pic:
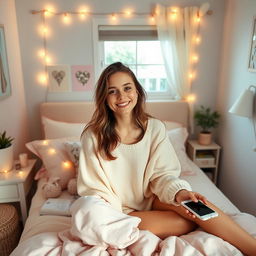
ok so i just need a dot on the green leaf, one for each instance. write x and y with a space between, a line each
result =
206 119
5 142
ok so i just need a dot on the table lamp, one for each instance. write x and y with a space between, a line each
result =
245 106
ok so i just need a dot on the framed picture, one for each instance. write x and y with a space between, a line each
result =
59 78
252 54
5 85
82 77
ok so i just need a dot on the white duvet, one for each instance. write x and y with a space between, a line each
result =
98 229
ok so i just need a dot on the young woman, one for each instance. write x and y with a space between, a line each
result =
130 163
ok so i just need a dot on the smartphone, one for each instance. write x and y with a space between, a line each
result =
199 209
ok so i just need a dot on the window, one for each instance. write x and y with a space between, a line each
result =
136 46
143 57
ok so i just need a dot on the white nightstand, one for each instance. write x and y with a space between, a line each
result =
206 157
15 185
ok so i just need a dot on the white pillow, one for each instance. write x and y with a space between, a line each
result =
56 129
178 138
169 125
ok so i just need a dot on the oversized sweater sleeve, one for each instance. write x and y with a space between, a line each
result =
92 179
164 169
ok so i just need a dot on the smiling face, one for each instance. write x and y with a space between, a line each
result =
122 94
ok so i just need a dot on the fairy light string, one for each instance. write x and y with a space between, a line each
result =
84 13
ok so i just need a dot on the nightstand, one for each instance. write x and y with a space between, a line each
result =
15 185
205 157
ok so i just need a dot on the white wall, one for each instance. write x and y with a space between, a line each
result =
73 45
13 113
238 162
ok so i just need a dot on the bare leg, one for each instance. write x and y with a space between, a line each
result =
164 223
221 226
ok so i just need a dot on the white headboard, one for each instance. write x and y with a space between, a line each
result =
78 112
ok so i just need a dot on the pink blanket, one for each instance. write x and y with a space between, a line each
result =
97 229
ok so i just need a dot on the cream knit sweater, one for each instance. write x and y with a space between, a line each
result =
141 171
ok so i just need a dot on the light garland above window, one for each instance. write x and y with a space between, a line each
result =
83 14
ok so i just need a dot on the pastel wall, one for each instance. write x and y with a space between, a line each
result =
73 45
238 162
13 112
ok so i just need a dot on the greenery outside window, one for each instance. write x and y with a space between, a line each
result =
136 46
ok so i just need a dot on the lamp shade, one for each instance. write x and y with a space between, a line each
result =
244 104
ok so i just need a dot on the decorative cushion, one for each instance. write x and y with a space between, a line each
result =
55 158
73 150
178 138
56 129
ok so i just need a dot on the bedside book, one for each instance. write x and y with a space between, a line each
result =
57 206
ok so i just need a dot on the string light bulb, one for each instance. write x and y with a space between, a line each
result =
197 19
46 13
66 164
128 13
195 58
51 151
45 142
66 18
152 18
174 14
197 39
83 12
113 17
191 75
191 98
42 78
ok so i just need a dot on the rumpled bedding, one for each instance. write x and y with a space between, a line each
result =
99 230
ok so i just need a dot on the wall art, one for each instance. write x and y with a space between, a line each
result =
5 85
82 77
59 78
252 54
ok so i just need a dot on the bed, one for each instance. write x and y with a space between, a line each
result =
48 235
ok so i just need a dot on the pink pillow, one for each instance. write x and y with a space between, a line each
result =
178 138
55 158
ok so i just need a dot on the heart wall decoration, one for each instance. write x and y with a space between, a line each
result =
59 78
82 77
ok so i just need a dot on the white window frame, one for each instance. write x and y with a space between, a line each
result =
98 50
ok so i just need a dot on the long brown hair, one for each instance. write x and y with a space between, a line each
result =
103 120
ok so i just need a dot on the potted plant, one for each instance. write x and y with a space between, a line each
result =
6 152
206 119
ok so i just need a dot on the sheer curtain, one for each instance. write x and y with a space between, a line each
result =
177 31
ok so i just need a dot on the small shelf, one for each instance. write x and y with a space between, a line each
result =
205 157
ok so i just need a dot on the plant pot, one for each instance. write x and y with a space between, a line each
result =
6 159
205 138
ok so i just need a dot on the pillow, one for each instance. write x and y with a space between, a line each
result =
169 125
178 138
55 158
73 150
56 129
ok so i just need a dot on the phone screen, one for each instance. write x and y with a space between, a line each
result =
199 208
